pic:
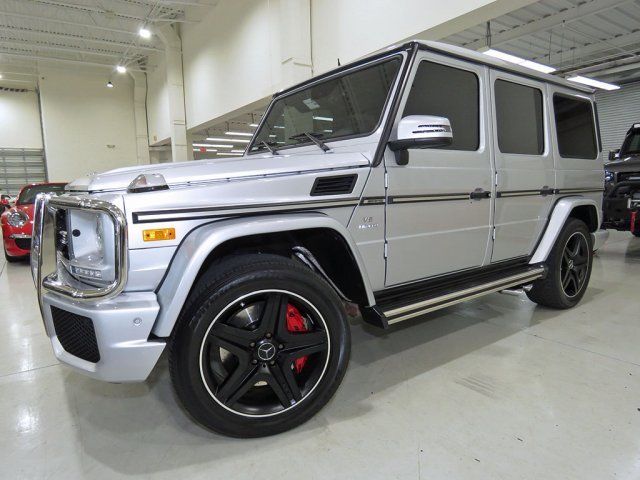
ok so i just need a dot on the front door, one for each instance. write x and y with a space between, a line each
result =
433 227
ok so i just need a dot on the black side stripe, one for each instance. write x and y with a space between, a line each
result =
200 213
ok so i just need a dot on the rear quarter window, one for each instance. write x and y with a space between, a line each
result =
575 127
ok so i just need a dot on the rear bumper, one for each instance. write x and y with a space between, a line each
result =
121 327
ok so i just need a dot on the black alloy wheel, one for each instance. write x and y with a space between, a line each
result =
264 353
575 264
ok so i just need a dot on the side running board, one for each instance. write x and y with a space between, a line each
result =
396 307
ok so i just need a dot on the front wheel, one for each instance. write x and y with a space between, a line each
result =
261 346
569 268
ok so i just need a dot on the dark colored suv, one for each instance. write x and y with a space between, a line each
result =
622 185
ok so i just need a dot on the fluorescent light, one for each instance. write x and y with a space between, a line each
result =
227 154
272 136
278 126
234 140
237 151
593 83
0 75
507 57
211 145
254 125
121 69
109 84
242 134
144 32
327 130
324 119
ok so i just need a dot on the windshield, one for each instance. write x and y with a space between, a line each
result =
28 194
339 107
631 145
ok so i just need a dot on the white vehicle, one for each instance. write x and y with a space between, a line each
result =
405 182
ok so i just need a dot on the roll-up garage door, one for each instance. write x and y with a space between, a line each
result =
617 111
20 166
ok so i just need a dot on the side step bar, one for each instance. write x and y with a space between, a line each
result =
383 315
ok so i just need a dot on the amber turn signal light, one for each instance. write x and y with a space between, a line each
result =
159 234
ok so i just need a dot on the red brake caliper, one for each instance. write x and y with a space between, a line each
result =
295 323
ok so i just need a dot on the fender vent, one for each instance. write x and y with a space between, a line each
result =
337 185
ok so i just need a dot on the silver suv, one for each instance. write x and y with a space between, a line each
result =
406 182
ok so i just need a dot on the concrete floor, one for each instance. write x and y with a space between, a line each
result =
492 389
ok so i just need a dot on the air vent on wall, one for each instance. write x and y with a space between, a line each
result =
336 185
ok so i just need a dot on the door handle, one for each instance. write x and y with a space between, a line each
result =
479 194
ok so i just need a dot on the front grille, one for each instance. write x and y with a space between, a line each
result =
23 243
76 334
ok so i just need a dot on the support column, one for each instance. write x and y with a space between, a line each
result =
175 87
140 116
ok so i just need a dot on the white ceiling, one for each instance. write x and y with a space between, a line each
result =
101 33
598 38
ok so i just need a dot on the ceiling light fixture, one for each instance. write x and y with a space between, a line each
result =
121 69
254 125
593 83
237 151
324 119
144 32
507 57
234 140
211 145
229 154
242 134
109 84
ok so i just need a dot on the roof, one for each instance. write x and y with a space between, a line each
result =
478 57
446 49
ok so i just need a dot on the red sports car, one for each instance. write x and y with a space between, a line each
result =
17 222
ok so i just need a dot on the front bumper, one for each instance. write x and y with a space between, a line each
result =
100 332
122 327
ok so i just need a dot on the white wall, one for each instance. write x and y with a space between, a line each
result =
347 30
617 111
242 51
158 101
230 58
87 126
20 120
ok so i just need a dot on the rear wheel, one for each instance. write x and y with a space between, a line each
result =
262 345
569 268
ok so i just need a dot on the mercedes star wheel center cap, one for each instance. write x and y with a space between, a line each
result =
266 351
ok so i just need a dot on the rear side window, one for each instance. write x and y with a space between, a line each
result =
575 127
448 92
519 118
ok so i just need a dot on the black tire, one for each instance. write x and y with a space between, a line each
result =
568 274
204 357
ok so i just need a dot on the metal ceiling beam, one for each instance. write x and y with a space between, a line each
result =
68 22
64 60
61 48
581 54
569 15
103 41
179 15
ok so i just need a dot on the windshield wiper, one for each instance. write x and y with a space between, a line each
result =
268 147
314 137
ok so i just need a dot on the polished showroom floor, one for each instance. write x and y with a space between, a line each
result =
492 389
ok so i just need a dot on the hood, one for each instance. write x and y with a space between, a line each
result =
219 169
630 163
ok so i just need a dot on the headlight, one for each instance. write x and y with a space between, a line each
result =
608 176
90 239
17 219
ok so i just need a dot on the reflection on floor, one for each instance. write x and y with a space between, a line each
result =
495 388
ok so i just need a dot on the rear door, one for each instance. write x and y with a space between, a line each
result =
525 177
432 225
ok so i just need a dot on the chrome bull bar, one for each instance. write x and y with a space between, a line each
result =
45 260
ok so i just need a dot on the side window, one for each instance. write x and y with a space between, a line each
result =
448 92
574 127
519 118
